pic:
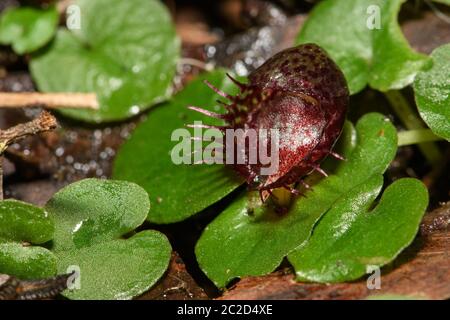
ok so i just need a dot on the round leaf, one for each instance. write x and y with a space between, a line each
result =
176 191
432 92
117 269
92 211
28 29
125 51
349 241
365 40
91 216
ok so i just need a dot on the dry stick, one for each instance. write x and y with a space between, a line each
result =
44 122
49 100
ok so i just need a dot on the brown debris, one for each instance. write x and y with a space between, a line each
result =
177 284
427 32
192 28
436 221
37 192
18 81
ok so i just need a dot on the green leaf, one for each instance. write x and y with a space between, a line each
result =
91 211
26 262
28 29
432 92
176 191
237 244
118 269
380 57
92 216
125 51
19 223
349 241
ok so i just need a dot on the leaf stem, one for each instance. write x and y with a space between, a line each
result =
416 136
410 120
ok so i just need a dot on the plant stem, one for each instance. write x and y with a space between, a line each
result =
409 119
48 100
44 122
416 136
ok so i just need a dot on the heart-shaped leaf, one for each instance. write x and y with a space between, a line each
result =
93 211
91 217
237 243
177 191
28 29
349 241
22 225
365 40
118 269
432 92
125 51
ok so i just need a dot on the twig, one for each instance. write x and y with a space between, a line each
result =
12 288
44 122
48 100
